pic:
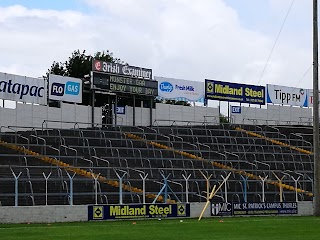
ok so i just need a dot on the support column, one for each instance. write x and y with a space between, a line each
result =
92 107
134 111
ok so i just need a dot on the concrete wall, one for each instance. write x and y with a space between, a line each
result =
49 214
28 115
43 214
272 115
166 114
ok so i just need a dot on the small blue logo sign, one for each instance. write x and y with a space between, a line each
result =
166 87
70 88
236 109
57 89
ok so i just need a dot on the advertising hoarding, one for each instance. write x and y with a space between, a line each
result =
122 84
120 69
253 208
65 88
283 95
181 90
134 211
23 89
234 92
310 97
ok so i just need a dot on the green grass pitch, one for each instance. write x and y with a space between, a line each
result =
239 228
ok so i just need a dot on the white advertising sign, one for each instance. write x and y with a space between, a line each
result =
310 97
287 95
65 88
23 89
181 90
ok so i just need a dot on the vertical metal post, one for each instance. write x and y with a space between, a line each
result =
245 180
134 111
263 180
120 184
71 187
95 177
296 186
280 186
151 105
143 186
115 110
186 178
46 180
225 189
16 188
316 197
208 183
92 107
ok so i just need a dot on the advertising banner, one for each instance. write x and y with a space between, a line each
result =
287 95
181 90
310 97
234 92
119 69
65 89
23 89
253 208
221 209
266 208
134 211
125 84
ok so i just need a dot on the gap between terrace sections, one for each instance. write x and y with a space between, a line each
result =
79 171
219 165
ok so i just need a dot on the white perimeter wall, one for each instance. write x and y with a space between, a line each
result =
272 115
28 115
166 114
49 214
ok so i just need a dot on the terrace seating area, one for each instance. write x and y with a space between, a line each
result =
61 166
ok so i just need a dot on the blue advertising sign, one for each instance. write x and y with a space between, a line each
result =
134 211
253 208
265 208
234 92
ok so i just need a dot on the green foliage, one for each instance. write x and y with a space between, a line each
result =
223 119
80 63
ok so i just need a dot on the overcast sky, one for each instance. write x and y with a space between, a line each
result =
228 40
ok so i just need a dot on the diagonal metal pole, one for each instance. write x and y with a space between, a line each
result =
164 188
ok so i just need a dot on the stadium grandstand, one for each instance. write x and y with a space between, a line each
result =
110 155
